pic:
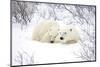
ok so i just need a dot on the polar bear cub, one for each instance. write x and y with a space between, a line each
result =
50 35
67 35
45 31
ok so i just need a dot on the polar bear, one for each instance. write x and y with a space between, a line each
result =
67 35
44 30
51 34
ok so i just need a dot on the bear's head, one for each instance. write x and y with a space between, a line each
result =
67 35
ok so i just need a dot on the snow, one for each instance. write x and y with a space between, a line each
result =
42 52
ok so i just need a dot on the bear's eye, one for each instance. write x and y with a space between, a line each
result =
70 29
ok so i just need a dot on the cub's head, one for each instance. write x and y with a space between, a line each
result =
53 32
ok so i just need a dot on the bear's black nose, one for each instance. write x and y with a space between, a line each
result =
51 41
61 38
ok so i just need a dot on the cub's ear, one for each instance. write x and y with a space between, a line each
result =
49 29
70 29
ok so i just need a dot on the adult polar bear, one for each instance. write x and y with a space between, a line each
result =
45 31
68 34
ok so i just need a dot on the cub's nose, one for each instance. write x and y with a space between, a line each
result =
51 41
61 38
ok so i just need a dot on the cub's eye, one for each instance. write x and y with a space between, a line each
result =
70 29
65 33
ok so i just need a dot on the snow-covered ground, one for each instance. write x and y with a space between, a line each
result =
30 50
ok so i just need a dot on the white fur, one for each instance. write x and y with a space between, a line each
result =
44 30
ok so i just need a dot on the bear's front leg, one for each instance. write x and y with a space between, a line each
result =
45 38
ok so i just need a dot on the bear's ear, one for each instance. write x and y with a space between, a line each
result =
70 29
